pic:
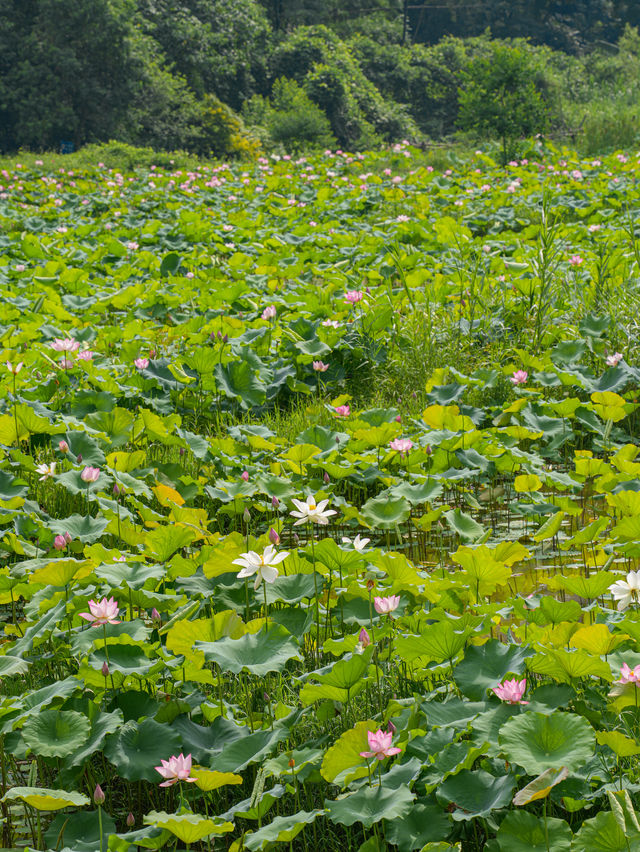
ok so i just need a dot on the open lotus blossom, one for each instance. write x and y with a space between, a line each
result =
310 512
177 768
269 312
614 360
14 369
320 366
512 691
342 410
46 470
66 344
519 377
626 591
575 260
141 363
90 474
401 445
102 612
380 745
85 355
628 675
358 543
262 566
385 606
354 296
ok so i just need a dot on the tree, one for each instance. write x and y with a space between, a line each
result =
499 97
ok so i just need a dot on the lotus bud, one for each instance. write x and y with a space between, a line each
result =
337 439
325 478
67 538
246 516
296 539
428 450
63 447
274 538
245 475
364 638
275 502
98 795
414 395
391 728
59 542
399 419
116 490
225 339
219 335
266 697
105 669
371 584
292 763
181 452
156 617
131 820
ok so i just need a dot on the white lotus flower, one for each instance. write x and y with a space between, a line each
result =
46 470
311 512
626 591
358 543
262 566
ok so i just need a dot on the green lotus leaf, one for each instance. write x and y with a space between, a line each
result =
425 823
436 643
56 733
164 541
521 831
464 525
190 828
369 805
44 799
282 829
476 793
83 826
541 786
486 666
137 747
269 650
538 741
238 380
385 512
603 833
81 527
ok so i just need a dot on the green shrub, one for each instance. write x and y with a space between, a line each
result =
499 98
294 121
222 132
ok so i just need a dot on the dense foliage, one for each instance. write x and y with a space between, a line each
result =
146 72
312 475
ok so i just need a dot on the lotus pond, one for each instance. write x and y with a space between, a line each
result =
320 505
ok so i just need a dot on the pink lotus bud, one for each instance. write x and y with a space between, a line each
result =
274 538
364 638
116 490
266 697
391 728
59 542
326 478
275 502
105 669
63 447
98 795
131 820
245 475
67 538
155 616
398 419
79 458
246 516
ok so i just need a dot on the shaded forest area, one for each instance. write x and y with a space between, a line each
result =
238 77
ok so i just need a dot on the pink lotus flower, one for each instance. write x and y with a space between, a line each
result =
85 355
61 541
244 476
102 612
385 606
614 360
512 691
342 410
90 474
629 675
320 367
66 344
63 446
175 769
575 260
269 312
354 296
141 363
519 377
380 745
401 445
132 246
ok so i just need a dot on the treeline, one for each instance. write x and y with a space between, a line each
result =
233 77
